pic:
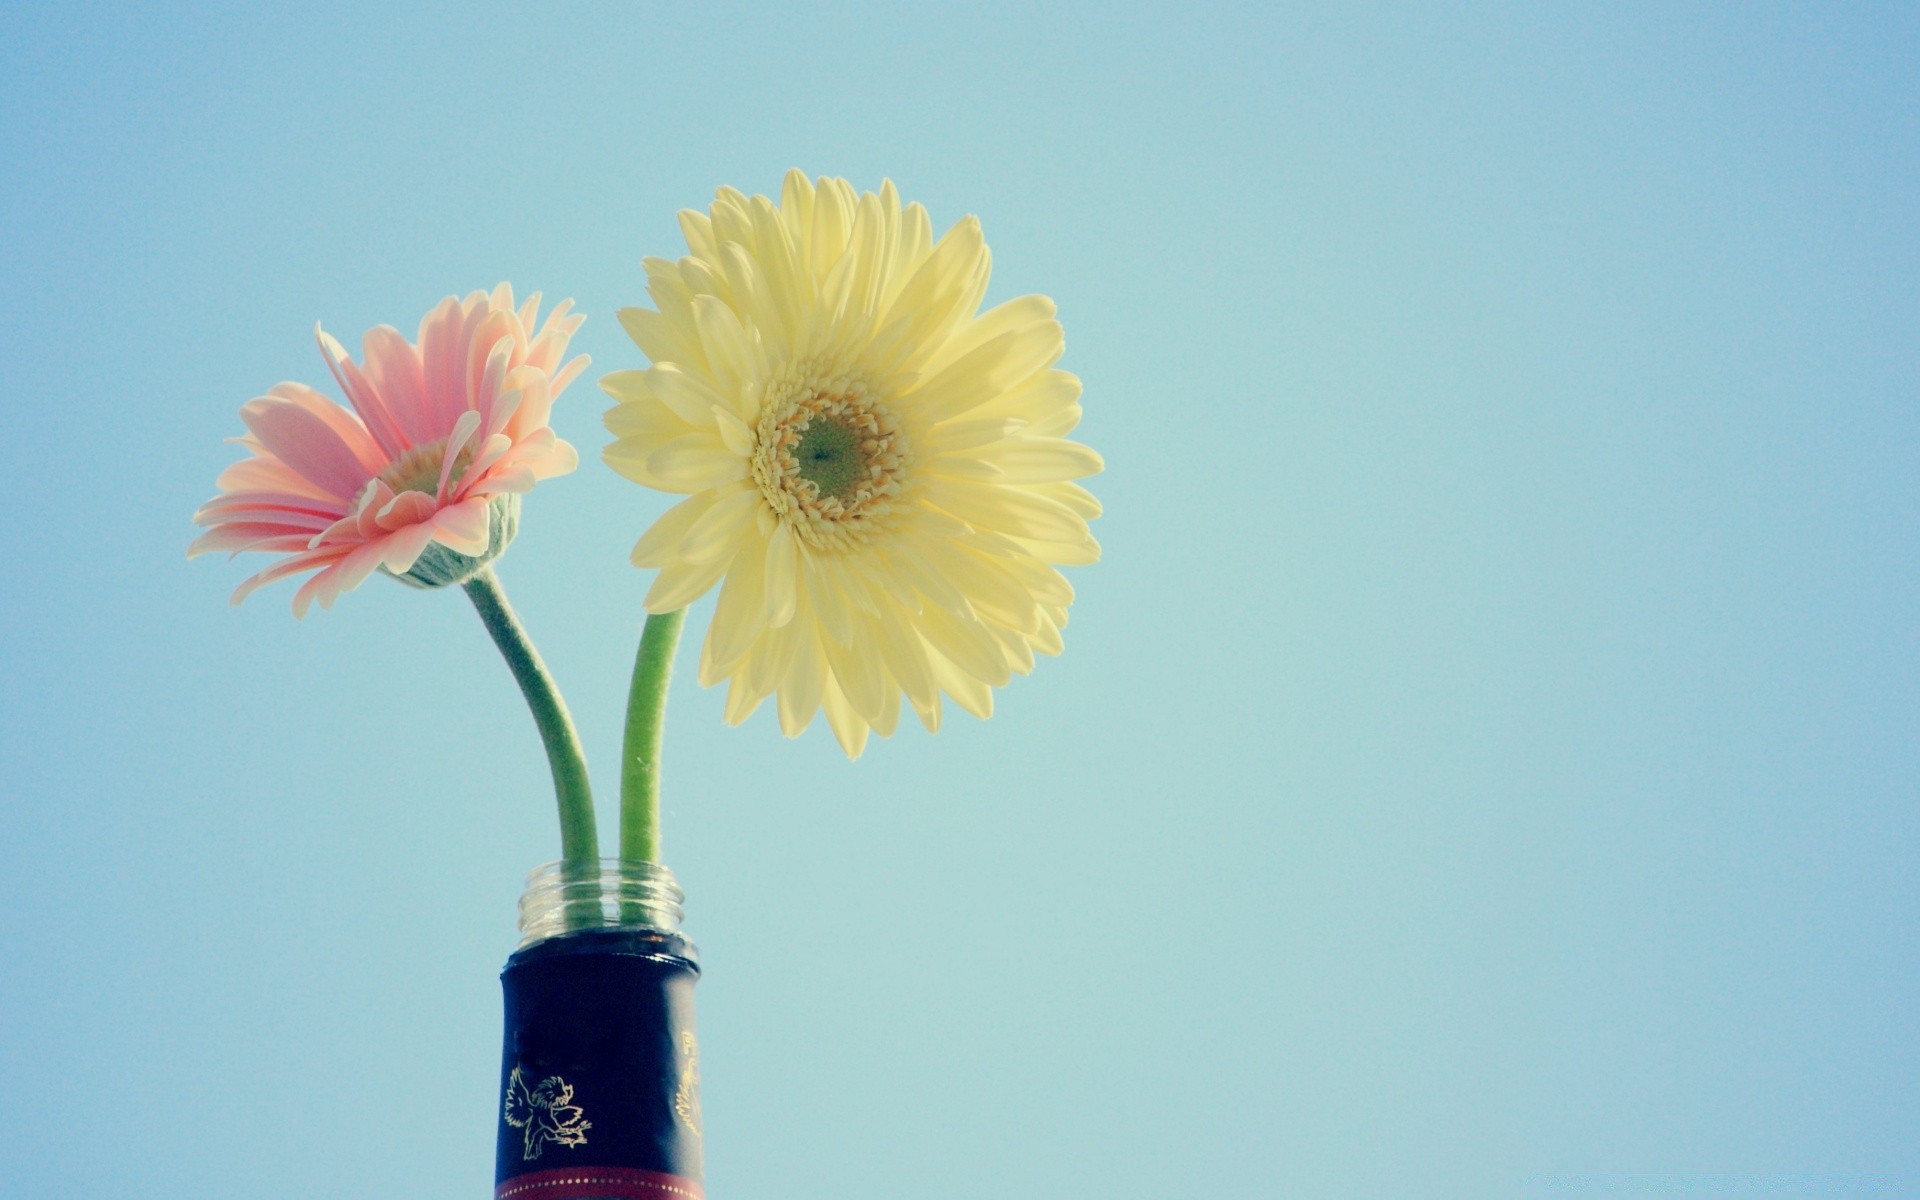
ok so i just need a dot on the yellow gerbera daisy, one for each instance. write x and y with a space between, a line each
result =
878 471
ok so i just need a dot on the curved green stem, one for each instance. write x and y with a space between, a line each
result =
579 841
646 722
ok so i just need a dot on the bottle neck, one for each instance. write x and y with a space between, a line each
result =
611 894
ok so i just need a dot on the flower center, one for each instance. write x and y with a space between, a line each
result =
418 470
828 457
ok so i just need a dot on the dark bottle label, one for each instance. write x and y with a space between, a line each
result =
600 1074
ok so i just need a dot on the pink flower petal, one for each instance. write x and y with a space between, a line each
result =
353 570
407 508
361 394
463 430
568 374
463 527
401 549
305 561
540 453
343 576
531 309
560 320
442 346
282 504
562 459
306 443
484 460
392 366
269 474
344 532
247 535
503 408
543 353
345 425
535 405
495 333
290 543
303 599
516 479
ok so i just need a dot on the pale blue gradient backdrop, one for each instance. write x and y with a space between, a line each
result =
1486 757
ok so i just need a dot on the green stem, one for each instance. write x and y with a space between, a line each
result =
579 841
646 721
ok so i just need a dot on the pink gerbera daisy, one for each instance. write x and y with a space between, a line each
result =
423 477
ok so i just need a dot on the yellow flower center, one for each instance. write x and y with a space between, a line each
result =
828 457
418 470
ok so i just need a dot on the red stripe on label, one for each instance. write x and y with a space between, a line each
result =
598 1183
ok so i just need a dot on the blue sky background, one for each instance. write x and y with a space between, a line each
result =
1484 764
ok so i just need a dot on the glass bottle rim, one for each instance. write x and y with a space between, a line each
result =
608 894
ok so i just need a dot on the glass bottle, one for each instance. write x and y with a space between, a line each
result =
600 1070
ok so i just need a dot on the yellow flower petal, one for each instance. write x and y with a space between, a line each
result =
655 545
847 726
721 529
1015 511
1043 460
969 693
966 643
680 583
740 617
803 684
693 462
782 576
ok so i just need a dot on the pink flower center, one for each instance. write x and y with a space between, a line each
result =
418 470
